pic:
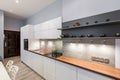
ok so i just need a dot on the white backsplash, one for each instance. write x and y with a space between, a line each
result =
33 44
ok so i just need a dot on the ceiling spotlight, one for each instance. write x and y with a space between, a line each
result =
17 1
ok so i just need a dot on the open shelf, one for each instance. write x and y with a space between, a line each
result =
96 24
93 38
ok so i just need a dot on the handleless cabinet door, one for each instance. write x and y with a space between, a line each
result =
65 71
49 69
88 75
38 30
37 63
27 31
48 29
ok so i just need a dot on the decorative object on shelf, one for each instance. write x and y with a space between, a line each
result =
64 36
89 35
96 22
87 23
107 20
82 36
73 36
102 35
76 24
117 34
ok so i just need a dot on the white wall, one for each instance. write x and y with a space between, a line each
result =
54 10
13 24
1 33
75 9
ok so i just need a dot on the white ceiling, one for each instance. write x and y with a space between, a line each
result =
23 9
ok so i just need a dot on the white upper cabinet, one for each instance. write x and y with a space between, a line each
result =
27 32
49 29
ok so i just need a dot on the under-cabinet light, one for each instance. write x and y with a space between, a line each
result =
17 1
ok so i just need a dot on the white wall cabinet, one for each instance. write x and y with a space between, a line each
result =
49 29
65 71
49 69
88 75
27 31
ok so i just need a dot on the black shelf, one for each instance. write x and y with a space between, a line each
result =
96 24
93 38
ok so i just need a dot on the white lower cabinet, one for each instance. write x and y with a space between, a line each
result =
55 70
49 69
37 63
65 71
34 61
88 75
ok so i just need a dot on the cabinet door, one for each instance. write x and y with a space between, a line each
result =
36 63
49 69
27 31
87 75
37 29
48 29
24 32
24 56
65 71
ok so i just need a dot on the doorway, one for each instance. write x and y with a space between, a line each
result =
11 43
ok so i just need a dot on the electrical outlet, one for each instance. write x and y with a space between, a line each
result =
102 60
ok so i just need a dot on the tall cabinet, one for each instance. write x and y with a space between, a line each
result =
27 32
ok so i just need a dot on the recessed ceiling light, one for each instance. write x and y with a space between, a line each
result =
17 1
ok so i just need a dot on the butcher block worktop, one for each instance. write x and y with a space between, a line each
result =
98 68
105 70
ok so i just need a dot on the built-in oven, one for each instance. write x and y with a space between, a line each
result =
25 44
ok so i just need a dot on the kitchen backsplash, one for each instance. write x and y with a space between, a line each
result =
95 50
53 45
33 44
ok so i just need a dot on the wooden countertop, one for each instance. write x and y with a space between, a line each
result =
98 68
101 69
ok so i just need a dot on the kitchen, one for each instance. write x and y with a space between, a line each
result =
83 45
